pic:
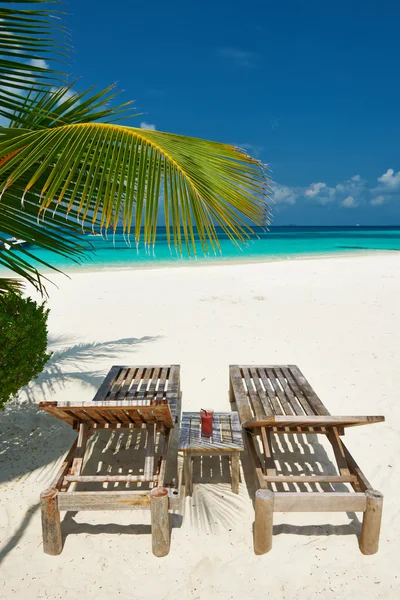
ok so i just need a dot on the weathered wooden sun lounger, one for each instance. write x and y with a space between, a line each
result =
279 400
141 398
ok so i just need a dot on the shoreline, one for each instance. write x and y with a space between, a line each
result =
212 262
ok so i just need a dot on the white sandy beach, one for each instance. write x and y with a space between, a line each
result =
337 319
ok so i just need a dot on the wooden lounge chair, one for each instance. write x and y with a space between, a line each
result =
279 400
135 398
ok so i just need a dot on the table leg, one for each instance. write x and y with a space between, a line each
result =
187 474
235 466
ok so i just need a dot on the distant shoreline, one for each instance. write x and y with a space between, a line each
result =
279 244
212 262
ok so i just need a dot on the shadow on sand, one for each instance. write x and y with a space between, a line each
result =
29 437
213 505
297 454
122 453
31 441
71 363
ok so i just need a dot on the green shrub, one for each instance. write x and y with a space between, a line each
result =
23 342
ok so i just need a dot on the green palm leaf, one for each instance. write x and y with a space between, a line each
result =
114 174
26 39
19 223
48 109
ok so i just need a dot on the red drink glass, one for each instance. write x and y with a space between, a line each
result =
206 422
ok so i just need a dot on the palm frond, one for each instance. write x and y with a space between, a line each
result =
113 174
27 38
45 109
52 234
61 106
9 285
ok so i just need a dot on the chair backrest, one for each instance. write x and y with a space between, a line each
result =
129 395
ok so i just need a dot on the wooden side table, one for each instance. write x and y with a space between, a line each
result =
226 439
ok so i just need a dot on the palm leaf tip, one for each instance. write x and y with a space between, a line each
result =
9 284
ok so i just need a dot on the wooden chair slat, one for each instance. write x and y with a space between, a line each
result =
121 415
294 392
108 478
142 391
106 415
104 389
276 407
162 383
136 382
239 394
149 460
153 382
255 403
81 415
128 380
317 405
117 384
56 412
173 389
305 421
262 394
295 397
288 409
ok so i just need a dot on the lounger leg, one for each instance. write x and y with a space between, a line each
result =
371 524
263 522
235 466
231 394
51 527
187 474
159 521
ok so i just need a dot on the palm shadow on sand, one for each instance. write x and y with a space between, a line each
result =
72 363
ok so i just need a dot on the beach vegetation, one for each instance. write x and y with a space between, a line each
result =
23 342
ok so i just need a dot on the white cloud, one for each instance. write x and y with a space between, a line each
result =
349 202
149 126
377 201
68 93
285 195
390 179
39 62
351 193
314 189
354 188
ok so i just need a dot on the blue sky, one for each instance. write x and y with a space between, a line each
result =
310 87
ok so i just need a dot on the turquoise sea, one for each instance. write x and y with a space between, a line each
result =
277 243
